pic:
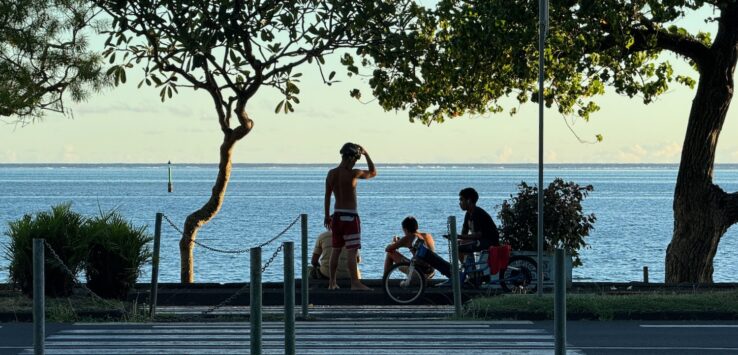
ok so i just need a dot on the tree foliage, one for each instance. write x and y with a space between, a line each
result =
45 55
565 224
232 48
480 56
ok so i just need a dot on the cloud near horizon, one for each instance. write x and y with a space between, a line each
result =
658 153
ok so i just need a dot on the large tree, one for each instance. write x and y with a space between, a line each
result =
230 49
44 56
476 56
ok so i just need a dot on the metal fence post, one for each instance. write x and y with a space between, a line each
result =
39 318
289 298
304 283
155 266
455 282
560 303
255 301
645 274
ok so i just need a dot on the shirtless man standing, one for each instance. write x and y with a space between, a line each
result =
344 223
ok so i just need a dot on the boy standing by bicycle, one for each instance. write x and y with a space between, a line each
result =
479 231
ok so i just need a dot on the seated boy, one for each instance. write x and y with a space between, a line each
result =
411 235
322 256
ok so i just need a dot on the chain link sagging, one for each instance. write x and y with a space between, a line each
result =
234 251
237 251
81 285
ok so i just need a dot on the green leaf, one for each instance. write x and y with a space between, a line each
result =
279 107
156 80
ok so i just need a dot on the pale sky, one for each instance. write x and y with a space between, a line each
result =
129 125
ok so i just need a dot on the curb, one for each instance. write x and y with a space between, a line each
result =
645 316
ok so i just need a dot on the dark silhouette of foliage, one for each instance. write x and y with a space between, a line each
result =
60 227
45 55
565 224
117 250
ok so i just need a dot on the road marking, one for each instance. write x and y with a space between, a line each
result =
676 348
301 351
354 337
367 337
207 331
689 325
245 323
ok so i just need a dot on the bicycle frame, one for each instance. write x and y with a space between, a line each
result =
410 270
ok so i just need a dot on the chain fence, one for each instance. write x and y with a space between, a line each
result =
235 251
118 306
246 287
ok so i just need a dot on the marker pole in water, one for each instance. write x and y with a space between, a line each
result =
169 186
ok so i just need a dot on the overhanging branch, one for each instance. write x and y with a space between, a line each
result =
682 45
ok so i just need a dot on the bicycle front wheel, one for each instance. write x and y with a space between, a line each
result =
402 287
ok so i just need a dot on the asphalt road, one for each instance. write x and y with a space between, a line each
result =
380 337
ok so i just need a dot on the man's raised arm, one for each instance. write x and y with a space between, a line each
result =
367 174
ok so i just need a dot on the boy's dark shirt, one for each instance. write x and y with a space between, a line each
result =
483 223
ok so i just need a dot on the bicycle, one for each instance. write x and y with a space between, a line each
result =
404 283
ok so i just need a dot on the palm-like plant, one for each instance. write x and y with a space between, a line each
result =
116 252
60 228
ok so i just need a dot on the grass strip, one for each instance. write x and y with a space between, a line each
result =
75 308
608 307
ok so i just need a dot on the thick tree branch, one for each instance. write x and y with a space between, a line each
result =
681 45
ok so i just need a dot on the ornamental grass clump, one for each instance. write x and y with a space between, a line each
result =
117 252
60 228
565 223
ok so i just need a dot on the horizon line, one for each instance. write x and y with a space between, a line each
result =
332 163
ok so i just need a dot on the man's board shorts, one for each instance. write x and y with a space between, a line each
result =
346 228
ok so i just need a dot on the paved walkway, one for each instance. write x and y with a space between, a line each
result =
373 337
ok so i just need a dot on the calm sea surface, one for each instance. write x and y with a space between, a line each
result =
632 204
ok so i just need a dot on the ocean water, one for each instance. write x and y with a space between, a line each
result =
633 205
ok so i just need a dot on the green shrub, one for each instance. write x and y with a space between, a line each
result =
60 227
117 251
564 222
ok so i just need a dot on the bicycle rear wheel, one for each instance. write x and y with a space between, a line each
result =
402 287
518 276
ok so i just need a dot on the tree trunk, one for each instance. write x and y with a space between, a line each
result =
703 212
202 216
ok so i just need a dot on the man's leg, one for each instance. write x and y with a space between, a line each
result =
387 262
353 270
333 266
392 258
466 247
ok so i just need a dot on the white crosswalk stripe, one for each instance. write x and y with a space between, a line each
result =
322 337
